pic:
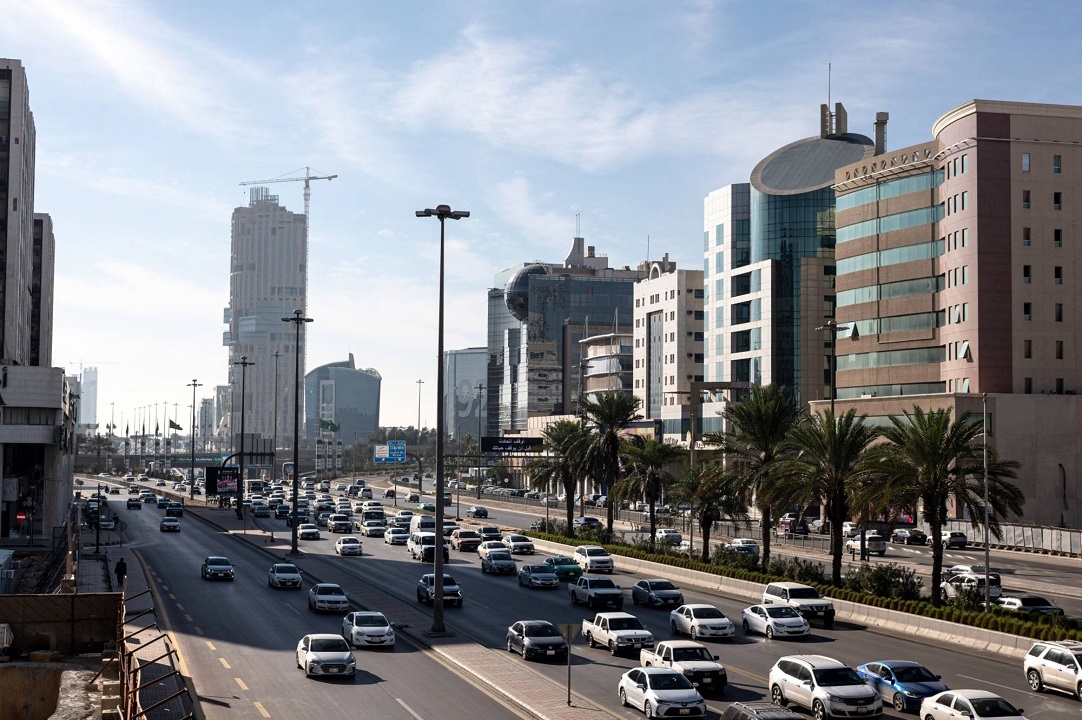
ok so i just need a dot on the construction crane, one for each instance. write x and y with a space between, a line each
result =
308 176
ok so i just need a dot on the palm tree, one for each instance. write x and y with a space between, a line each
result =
564 441
609 414
831 464
756 442
647 476
712 494
929 459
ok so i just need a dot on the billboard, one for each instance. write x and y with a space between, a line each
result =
511 444
222 480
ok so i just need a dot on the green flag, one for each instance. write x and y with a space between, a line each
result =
174 426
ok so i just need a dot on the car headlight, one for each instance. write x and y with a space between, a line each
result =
315 661
351 661
910 694
835 698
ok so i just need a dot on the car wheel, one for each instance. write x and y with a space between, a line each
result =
828 624
623 698
269 583
776 696
590 640
899 702
509 647
1078 691
819 711
634 598
648 709
574 600
420 598
882 553
747 628
620 605
523 650
1035 682
590 602
694 633
769 633
307 674
672 627
612 648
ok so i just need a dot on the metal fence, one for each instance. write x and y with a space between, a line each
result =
1033 538
70 624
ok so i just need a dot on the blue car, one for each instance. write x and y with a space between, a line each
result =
901 683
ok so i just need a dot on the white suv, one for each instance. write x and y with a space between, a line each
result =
1056 665
805 599
593 558
823 685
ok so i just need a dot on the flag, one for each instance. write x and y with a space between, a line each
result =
126 428
174 426
157 429
328 425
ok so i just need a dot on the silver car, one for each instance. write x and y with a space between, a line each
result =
774 621
284 575
328 597
368 629
325 654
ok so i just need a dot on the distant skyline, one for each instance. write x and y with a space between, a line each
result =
625 114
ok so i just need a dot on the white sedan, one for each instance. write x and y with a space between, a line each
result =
774 620
284 575
327 596
660 692
348 545
325 654
976 704
490 546
308 531
396 536
701 621
373 528
368 629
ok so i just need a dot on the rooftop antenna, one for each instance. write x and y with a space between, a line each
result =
578 224
829 68
647 248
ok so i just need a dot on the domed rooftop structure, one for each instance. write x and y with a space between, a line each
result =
809 164
516 293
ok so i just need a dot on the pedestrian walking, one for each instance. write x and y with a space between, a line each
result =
121 571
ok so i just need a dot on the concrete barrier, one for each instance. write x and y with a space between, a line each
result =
871 616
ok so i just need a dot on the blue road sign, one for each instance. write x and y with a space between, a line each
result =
393 452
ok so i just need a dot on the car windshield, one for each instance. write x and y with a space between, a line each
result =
499 556
373 620
780 611
697 653
669 681
467 535
286 569
913 673
518 538
217 561
707 613
993 707
805 593
541 631
662 585
448 580
602 583
1034 602
628 623
540 569
329 645
350 541
833 677
328 590
561 561
597 552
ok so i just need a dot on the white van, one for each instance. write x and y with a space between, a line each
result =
423 523
421 546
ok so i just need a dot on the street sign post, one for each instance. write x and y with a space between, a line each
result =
569 631
20 517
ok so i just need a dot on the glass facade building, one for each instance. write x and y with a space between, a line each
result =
343 396
463 404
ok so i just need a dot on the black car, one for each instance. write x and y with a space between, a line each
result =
536 639
174 509
282 511
588 522
476 511
134 504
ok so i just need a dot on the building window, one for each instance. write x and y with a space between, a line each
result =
1057 237
1027 349
965 200
1059 386
1025 162
1057 167
965 274
1025 236
964 156
965 312
1057 201
1025 199
1059 312
965 237
1025 275
1059 275
1028 386
1027 311
1059 349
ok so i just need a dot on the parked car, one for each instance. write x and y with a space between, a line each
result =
284 575
327 596
656 592
823 685
536 639
970 704
660 692
774 621
952 539
901 683
325 654
368 629
701 621
217 567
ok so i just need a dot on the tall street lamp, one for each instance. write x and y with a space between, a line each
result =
298 319
191 478
420 477
274 437
442 212
987 507
244 365
477 480
834 328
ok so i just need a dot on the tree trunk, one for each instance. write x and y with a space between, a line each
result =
765 514
705 525
836 514
653 523
935 527
569 502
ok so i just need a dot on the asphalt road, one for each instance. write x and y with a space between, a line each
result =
493 603
238 640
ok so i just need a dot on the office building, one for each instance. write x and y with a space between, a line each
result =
41 292
88 399
668 344
268 281
956 265
341 402
537 314
465 372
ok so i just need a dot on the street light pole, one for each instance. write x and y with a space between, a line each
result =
834 328
443 213
244 365
191 478
420 477
298 319
274 440
987 509
477 480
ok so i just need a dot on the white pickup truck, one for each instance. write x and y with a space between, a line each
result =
691 659
617 631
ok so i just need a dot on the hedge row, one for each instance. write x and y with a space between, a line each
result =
1043 628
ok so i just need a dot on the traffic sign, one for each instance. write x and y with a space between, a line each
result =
20 517
393 452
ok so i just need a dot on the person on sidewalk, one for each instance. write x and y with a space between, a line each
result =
121 571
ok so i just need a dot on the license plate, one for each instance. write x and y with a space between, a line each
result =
637 645
861 711
333 670
706 680
550 652
684 711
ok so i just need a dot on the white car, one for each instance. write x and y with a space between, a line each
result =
593 558
976 704
872 544
368 629
747 546
348 545
824 686
373 528
958 583
700 621
490 546
518 544
774 620
325 654
284 575
327 596
308 531
660 692
396 536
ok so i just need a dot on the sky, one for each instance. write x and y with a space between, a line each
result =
614 116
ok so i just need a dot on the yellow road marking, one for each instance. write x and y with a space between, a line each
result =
241 683
210 645
224 664
262 710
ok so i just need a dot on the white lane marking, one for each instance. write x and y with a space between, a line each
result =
408 708
292 608
1005 687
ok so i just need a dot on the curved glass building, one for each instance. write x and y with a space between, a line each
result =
341 400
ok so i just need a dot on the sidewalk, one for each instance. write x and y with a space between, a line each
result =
534 693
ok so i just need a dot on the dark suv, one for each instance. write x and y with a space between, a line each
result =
757 711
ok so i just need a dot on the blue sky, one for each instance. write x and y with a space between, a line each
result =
626 113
